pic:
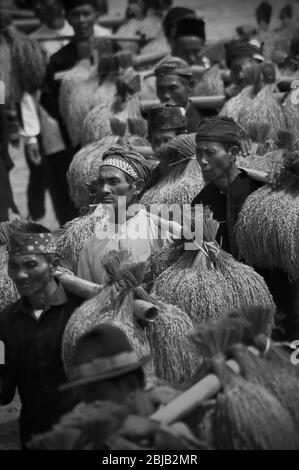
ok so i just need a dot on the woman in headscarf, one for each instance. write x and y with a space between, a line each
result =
122 176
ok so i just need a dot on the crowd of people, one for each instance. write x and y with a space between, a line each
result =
132 128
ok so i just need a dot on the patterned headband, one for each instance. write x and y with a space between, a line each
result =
32 243
122 165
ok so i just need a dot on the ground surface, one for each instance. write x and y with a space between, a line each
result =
221 16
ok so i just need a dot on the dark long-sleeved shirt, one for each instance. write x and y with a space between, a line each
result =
227 206
33 362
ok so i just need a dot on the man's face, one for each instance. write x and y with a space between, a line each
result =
112 186
237 68
82 18
189 49
213 159
48 10
173 89
159 138
30 273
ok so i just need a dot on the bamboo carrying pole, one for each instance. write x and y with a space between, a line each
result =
192 398
78 286
30 23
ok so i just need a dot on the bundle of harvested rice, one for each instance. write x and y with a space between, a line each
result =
23 64
267 226
71 81
211 82
275 156
183 178
166 338
209 282
96 125
84 169
160 260
75 233
233 107
245 416
290 108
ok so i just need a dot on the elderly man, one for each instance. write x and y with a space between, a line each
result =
174 83
218 142
31 330
122 177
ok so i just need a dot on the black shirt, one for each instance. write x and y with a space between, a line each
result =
226 206
33 361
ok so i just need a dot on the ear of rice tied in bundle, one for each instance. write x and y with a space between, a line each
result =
267 154
246 416
23 60
267 226
183 178
124 302
256 102
125 106
256 369
73 235
208 282
84 169
8 290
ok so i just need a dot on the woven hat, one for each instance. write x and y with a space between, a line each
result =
104 353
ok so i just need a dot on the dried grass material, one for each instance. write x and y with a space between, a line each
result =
84 168
183 180
233 107
75 233
245 416
267 230
211 82
291 113
273 353
160 260
175 358
248 417
270 376
8 290
23 64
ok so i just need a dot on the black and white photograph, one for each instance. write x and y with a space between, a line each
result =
149 228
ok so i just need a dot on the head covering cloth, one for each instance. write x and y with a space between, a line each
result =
238 48
190 26
70 4
173 66
173 16
129 161
166 117
286 12
263 12
32 244
219 129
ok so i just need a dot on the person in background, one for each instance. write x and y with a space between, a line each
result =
189 40
263 16
170 21
45 149
110 381
174 83
164 123
286 16
31 330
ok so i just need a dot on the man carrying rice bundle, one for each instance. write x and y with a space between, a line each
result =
174 83
122 176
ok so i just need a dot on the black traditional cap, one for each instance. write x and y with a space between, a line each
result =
219 129
263 12
174 66
238 48
103 353
70 4
173 16
286 12
166 117
191 27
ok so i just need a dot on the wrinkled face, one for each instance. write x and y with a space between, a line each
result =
112 188
173 89
30 273
82 18
213 159
159 138
237 68
189 49
48 10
